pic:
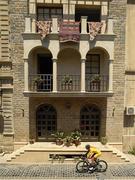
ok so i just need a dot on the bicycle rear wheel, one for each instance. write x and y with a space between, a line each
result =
102 166
82 166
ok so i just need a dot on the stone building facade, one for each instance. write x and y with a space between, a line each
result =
65 80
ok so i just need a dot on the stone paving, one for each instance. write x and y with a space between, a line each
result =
63 171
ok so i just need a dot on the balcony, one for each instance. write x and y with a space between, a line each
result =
67 83
55 83
34 28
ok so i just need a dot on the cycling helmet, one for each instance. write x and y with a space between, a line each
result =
87 147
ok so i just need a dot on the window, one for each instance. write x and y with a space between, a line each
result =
93 64
90 121
93 14
44 62
46 13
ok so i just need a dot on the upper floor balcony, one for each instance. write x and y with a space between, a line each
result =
68 30
66 47
68 75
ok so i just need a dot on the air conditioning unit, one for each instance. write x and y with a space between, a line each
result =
130 110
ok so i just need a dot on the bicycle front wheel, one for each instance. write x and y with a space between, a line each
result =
82 166
102 166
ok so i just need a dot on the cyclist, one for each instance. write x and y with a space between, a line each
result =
92 154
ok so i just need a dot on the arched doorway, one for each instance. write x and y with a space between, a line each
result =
46 122
90 122
97 70
40 69
69 65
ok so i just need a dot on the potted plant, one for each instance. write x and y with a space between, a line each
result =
95 82
59 137
67 79
96 78
103 140
67 82
68 141
76 136
31 140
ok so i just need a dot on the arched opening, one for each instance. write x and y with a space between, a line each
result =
90 122
46 122
40 69
97 70
69 66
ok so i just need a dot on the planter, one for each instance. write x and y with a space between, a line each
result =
76 142
68 144
59 142
32 141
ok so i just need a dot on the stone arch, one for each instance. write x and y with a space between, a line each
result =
41 49
100 49
41 67
97 69
69 61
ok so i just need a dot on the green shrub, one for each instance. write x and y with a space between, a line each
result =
132 150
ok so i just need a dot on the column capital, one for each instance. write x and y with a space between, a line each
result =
83 60
25 59
111 61
54 59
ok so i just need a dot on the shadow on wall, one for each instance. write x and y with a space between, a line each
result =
1 124
129 121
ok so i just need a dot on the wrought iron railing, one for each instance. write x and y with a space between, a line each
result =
41 82
97 83
69 83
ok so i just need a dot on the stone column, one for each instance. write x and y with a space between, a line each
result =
27 25
54 24
33 25
83 75
104 14
110 26
83 24
54 75
26 77
110 75
72 11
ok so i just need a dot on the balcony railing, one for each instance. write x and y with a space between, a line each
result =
41 82
53 27
97 83
69 83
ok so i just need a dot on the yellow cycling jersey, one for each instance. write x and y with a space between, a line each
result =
93 151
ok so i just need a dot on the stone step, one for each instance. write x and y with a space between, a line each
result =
38 153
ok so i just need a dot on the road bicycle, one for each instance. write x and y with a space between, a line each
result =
85 166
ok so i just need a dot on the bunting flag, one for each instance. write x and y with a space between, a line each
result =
44 27
94 29
69 31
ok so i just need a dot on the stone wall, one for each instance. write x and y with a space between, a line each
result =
68 112
18 11
115 105
129 121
